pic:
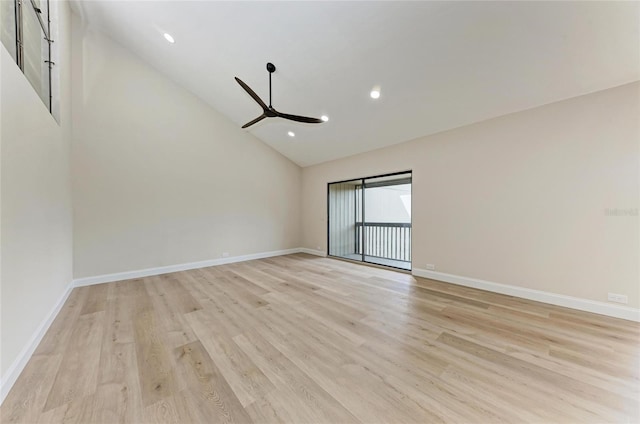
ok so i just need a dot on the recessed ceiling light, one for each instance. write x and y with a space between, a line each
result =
324 118
375 93
291 134
169 38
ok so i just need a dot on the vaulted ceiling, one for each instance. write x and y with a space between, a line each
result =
439 65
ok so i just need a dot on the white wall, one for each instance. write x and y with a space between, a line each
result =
518 200
159 177
35 223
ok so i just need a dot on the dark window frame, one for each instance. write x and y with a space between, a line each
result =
46 32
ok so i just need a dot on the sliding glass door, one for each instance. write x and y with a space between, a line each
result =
345 210
370 220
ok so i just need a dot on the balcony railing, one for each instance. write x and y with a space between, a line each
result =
388 240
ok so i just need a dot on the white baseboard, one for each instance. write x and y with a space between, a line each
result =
313 251
14 371
18 365
119 276
602 308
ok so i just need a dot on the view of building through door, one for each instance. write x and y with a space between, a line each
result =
370 220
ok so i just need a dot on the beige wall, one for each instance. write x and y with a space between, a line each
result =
519 199
35 224
160 178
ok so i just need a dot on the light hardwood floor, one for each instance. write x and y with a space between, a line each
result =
303 339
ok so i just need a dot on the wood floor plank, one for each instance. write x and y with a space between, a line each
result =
118 397
227 282
306 339
79 410
209 395
264 411
24 402
96 299
164 411
170 286
328 367
170 302
77 375
308 401
157 379
600 401
121 309
246 380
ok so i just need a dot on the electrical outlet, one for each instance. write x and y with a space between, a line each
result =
319 247
431 267
619 298
225 254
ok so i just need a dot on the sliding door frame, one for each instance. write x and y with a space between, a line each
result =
363 187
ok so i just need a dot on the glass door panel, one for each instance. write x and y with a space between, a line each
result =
345 208
387 220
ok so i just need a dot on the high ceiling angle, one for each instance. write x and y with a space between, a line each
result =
438 65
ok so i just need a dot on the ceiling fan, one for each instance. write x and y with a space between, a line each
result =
269 111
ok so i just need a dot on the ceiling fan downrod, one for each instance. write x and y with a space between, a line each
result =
271 68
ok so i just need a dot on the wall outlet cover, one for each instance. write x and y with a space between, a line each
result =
225 254
618 298
431 267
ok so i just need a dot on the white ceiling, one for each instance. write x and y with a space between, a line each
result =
440 65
